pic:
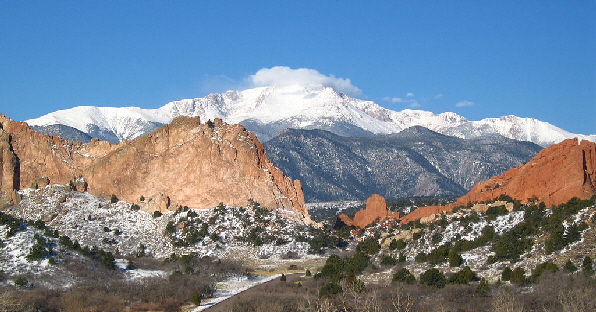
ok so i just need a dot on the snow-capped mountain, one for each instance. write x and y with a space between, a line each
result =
268 110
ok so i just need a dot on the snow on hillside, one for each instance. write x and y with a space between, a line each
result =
269 110
116 227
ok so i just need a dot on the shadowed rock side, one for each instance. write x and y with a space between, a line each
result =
555 175
184 163
375 210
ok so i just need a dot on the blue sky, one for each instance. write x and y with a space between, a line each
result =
476 58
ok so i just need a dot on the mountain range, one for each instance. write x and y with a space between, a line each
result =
266 111
414 162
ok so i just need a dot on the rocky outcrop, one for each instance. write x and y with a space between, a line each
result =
8 170
555 175
192 164
375 210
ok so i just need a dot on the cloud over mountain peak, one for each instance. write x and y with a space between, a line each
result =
283 75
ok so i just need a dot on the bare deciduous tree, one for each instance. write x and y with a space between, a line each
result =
504 300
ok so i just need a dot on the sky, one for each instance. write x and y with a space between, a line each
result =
478 59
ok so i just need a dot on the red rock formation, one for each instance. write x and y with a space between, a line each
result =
376 209
555 175
189 163
424 212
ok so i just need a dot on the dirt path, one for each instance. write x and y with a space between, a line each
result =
227 305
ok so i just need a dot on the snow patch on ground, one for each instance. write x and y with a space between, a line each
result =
232 287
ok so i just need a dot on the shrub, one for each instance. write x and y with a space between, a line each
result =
398 244
482 289
506 275
283 278
464 276
21 282
308 273
404 276
539 269
196 299
569 266
421 257
170 227
388 260
455 258
330 290
355 284
587 266
495 211
157 214
518 276
433 277
369 246
113 199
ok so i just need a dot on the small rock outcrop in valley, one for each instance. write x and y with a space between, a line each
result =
375 210
185 163
555 175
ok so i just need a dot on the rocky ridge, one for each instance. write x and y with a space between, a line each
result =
185 163
556 174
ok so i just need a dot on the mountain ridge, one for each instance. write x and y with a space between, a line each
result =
268 110
414 162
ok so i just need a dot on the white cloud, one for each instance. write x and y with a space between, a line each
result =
283 75
464 104
438 96
408 100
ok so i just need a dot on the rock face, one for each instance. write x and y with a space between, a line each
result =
185 163
375 210
555 175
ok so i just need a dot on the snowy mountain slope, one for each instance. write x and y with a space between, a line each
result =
269 110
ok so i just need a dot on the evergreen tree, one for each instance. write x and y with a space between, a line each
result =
404 276
518 276
506 275
569 266
588 266
433 277
455 258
